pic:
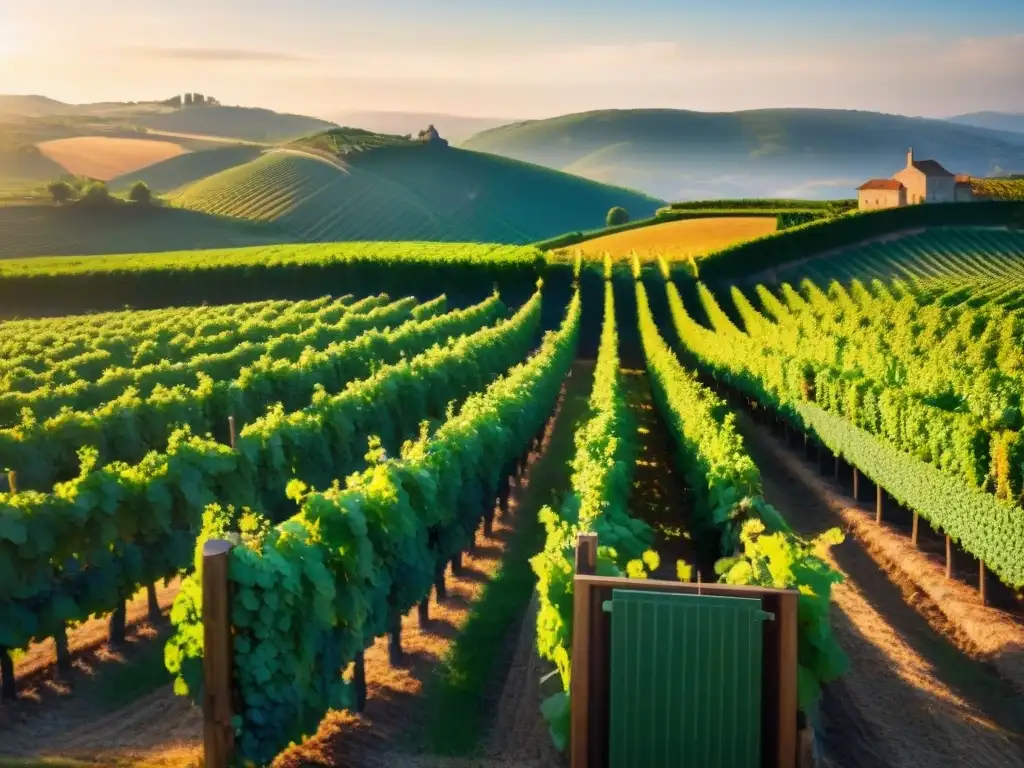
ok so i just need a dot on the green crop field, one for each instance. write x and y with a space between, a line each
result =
366 423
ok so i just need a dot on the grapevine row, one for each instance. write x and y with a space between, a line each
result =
982 524
601 483
311 594
88 381
92 543
127 428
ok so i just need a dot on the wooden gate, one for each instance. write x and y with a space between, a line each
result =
669 673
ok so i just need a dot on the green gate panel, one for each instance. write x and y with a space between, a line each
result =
685 680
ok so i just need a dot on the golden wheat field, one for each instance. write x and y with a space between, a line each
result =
105 157
677 240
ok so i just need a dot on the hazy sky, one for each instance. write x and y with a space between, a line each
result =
522 58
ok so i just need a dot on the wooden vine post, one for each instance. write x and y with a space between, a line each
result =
914 529
856 484
218 734
231 431
949 557
982 582
12 481
879 503
7 688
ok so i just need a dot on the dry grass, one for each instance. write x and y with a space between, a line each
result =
678 240
103 157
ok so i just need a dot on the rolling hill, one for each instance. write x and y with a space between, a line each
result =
998 121
455 128
356 185
809 153
176 172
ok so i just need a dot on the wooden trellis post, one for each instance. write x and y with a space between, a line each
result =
879 503
914 529
231 431
856 484
949 557
218 733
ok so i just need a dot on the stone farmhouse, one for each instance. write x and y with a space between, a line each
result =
922 181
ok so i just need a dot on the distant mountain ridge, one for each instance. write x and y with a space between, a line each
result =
806 153
243 123
1000 121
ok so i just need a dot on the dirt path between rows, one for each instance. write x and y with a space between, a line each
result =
660 495
911 696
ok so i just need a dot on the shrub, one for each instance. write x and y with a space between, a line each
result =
61 191
140 194
617 216
96 194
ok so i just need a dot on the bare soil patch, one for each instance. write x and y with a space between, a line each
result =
912 696
104 157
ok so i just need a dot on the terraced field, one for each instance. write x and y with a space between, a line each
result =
313 197
185 169
990 260
402 190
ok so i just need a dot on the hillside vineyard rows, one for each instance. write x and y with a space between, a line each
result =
351 439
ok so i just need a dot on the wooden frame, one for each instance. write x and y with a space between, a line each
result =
590 683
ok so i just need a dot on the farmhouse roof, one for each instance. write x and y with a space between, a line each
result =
931 168
892 184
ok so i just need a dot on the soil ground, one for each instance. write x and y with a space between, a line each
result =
911 697
660 495
103 157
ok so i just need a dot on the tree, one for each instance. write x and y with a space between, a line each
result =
616 216
61 191
140 194
96 194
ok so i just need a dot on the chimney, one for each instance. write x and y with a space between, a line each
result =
910 157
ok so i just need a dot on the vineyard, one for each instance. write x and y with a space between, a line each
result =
314 457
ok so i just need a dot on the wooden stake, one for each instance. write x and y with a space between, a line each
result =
359 681
155 617
949 557
835 467
60 639
12 481
231 431
982 586
395 641
440 590
586 553
116 627
8 690
914 529
856 484
879 503
218 732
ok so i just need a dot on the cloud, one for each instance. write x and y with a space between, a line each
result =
216 54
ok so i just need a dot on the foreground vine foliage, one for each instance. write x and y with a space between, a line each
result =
312 592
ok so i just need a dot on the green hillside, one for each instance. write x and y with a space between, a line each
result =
184 169
354 185
43 230
807 153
